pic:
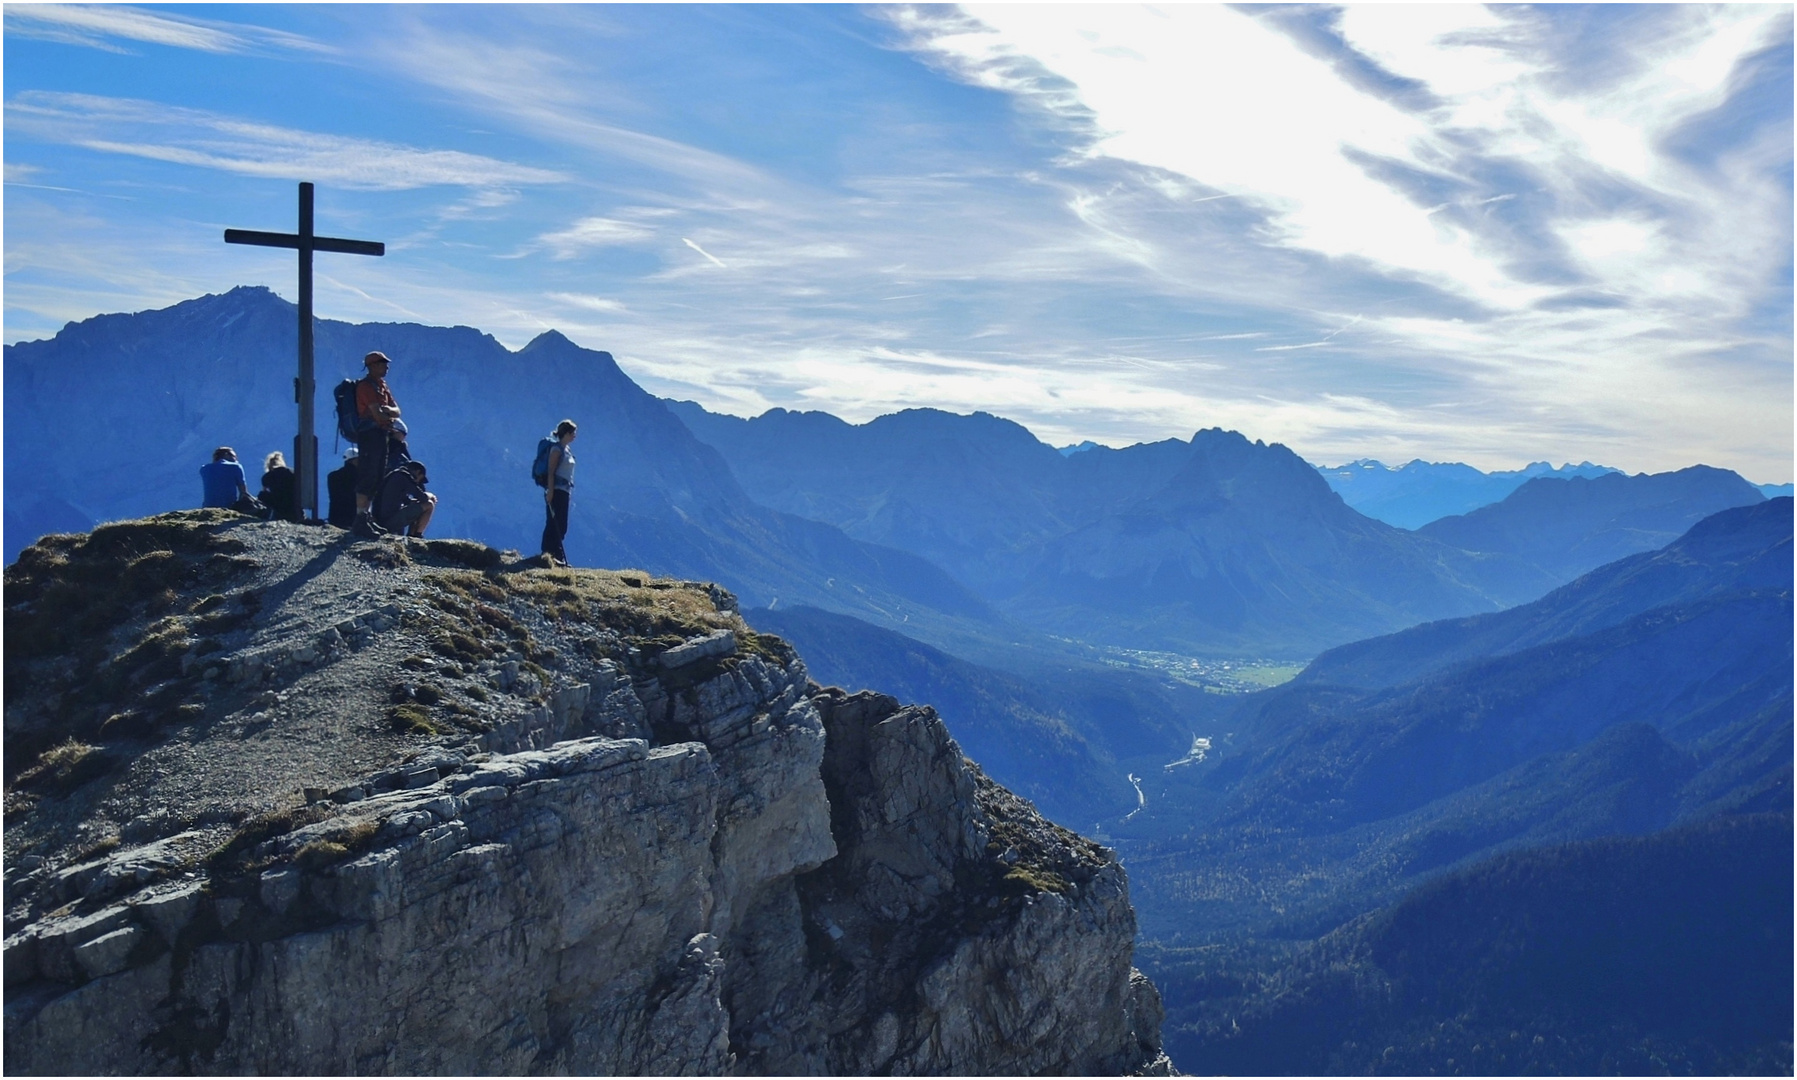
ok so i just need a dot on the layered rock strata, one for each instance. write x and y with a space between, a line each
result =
746 873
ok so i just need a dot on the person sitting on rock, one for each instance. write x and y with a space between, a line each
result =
402 503
340 484
280 489
222 483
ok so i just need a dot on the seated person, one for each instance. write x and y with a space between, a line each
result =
222 483
340 485
280 489
402 502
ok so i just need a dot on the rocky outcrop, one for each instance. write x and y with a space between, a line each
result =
743 873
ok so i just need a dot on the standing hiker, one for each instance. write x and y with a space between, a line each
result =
340 484
377 411
280 489
404 504
222 482
558 488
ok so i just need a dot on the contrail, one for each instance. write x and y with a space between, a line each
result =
702 251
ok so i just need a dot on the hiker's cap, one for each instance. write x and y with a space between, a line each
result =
376 357
419 465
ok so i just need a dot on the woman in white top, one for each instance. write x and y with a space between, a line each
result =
557 491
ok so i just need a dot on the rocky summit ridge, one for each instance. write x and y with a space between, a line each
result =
282 801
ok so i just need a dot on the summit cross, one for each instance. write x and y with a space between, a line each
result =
305 444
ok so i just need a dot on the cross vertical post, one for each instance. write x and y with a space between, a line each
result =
306 241
305 444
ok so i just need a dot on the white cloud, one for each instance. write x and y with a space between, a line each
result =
101 25
1550 252
1220 97
210 140
554 92
594 232
601 304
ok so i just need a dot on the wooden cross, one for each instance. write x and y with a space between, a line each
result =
305 444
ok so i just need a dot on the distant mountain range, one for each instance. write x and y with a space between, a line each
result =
156 391
1414 494
965 531
1213 545
1567 527
1746 549
1216 545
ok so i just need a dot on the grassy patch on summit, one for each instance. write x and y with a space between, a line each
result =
630 602
96 618
491 613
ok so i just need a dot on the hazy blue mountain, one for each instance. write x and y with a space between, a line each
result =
1653 691
1748 547
1773 491
1567 527
154 392
1414 494
1213 545
966 492
1666 953
1226 545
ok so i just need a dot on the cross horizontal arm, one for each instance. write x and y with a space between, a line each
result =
291 240
349 247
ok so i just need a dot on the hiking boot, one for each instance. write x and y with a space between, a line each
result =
366 528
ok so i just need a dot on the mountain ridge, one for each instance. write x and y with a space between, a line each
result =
1418 492
655 495
1123 545
1569 526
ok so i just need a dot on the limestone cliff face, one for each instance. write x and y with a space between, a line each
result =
695 863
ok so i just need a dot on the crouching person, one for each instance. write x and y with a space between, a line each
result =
402 503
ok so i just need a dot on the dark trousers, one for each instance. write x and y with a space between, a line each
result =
371 461
555 525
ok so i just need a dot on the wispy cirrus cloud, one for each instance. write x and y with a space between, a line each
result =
551 91
204 139
602 304
1540 214
593 232
104 26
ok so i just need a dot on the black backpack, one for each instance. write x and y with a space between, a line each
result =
350 424
539 469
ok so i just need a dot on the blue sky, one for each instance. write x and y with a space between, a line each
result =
1449 232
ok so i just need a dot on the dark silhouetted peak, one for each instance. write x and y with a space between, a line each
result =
548 340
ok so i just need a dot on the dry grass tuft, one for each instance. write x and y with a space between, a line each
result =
62 768
336 846
628 600
410 718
